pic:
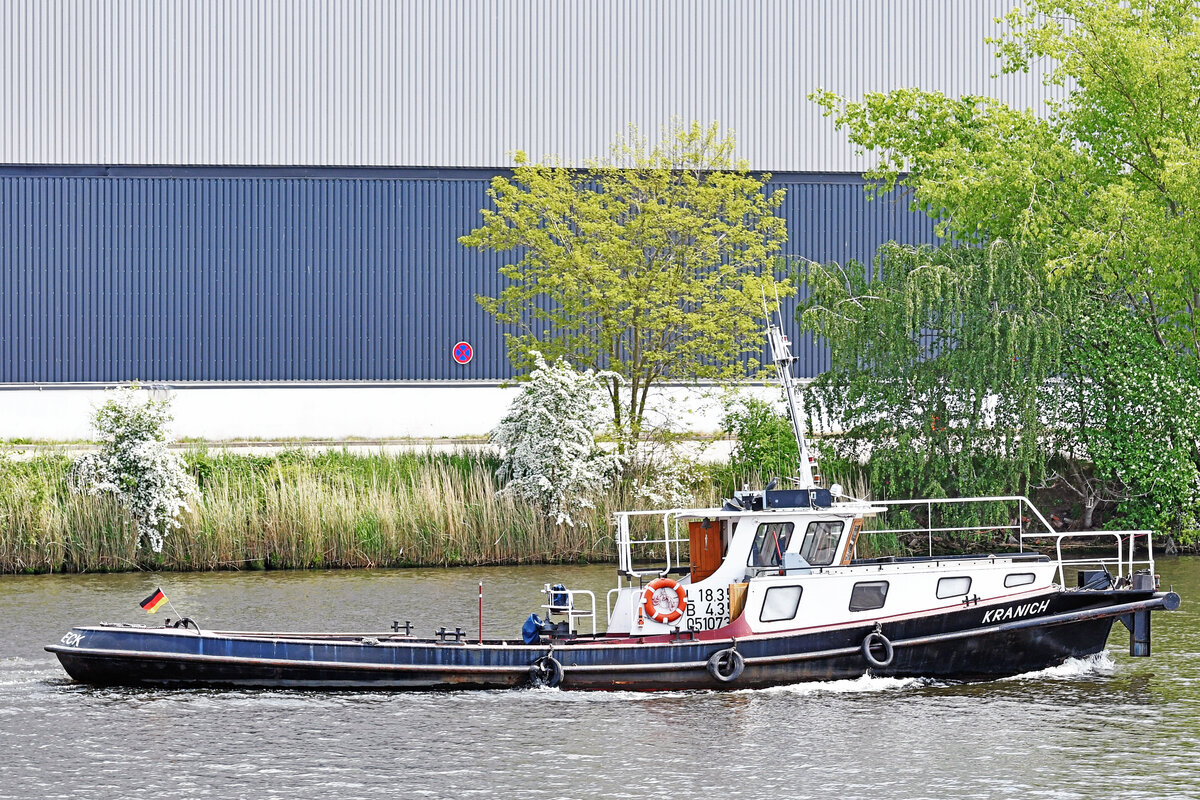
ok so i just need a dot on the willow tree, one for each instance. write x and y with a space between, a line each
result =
1106 182
651 263
938 357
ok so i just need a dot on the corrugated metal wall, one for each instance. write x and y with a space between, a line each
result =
160 278
463 82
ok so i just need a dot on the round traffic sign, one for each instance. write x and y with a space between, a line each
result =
463 352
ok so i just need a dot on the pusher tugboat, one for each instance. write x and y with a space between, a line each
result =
765 590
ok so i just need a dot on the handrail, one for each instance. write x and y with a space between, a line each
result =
624 541
1125 566
570 610
608 601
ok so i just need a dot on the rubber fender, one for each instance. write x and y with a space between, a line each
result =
873 639
546 671
726 665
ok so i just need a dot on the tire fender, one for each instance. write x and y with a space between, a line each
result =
546 671
726 665
876 639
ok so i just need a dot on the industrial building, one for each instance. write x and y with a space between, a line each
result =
258 204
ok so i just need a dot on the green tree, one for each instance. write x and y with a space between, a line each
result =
764 441
937 359
1105 187
651 263
1121 422
1106 182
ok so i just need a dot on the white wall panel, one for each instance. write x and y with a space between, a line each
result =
446 83
223 412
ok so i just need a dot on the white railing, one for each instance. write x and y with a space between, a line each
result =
1125 566
569 609
625 541
1124 563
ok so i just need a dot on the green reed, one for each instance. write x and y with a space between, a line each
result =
301 510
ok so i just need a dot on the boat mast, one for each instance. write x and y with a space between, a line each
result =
781 355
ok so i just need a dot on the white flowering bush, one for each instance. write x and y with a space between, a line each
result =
134 464
668 476
548 436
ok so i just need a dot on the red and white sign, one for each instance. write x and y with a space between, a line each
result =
463 352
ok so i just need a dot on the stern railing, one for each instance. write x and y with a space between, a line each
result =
1125 562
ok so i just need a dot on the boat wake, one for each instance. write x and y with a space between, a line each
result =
22 671
865 684
1099 665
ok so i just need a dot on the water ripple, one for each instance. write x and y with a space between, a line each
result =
1110 724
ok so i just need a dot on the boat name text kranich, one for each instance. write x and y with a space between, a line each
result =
1015 612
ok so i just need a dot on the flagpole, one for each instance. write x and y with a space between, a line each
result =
173 609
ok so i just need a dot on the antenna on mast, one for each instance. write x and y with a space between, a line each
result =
781 355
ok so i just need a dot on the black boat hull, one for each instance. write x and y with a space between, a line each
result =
968 644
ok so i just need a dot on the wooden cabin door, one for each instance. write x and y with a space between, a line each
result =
706 547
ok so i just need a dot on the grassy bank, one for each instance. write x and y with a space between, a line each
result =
298 510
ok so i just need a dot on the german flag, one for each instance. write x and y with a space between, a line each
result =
155 600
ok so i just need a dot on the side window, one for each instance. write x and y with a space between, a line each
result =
868 595
770 542
1018 579
953 587
820 543
780 603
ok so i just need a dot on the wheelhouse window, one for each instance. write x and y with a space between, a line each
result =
780 603
953 587
868 595
770 542
1018 579
820 543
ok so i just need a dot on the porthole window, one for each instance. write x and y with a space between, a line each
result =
1018 579
953 587
780 603
868 595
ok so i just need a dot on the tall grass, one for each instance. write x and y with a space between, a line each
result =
298 510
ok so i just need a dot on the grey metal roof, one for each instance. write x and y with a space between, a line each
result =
458 83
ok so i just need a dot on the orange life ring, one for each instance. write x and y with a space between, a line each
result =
671 603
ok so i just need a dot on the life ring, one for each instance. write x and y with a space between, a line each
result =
726 665
546 671
873 639
670 607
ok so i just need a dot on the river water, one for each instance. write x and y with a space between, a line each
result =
1111 726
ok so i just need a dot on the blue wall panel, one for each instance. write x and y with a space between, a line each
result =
243 276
